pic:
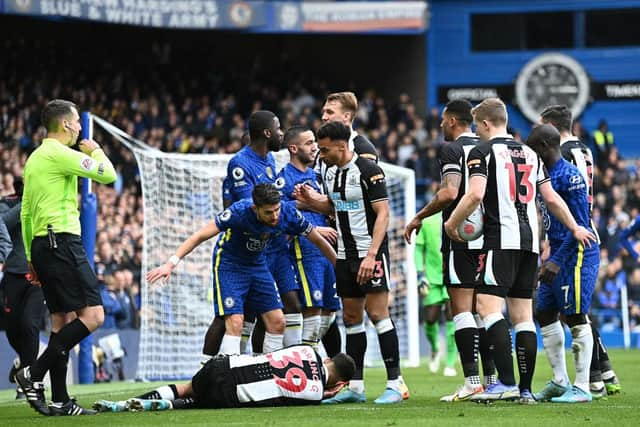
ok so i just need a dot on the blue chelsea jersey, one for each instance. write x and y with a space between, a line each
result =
245 238
245 170
569 183
286 181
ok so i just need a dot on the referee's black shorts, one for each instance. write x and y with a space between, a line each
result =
347 285
213 385
509 273
68 281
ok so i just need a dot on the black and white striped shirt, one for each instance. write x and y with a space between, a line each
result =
290 376
353 189
514 172
453 159
574 151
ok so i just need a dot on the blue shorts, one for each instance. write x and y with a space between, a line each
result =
236 288
572 290
330 298
282 271
315 276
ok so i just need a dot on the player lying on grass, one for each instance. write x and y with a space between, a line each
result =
291 376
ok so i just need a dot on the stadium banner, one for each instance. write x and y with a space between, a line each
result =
616 91
351 16
474 93
184 14
260 16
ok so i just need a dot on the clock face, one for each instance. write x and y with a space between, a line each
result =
551 79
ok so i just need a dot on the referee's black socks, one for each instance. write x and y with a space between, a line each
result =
59 346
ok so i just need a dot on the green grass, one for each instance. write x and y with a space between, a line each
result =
422 409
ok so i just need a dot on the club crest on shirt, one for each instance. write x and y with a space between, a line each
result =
317 295
238 173
86 163
256 245
229 302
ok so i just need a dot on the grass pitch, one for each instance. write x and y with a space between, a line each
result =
423 409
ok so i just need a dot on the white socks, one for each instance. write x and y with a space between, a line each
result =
311 330
166 393
230 345
553 341
582 348
325 322
491 319
293 329
357 386
272 342
464 320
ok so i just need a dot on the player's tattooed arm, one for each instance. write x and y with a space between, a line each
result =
446 194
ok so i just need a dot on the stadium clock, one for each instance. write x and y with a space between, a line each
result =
548 79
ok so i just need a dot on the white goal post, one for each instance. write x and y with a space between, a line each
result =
182 192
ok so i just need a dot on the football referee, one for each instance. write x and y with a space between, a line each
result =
54 251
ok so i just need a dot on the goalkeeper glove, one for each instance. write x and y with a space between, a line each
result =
423 285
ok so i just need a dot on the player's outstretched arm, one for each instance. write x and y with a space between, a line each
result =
164 271
316 238
560 210
468 204
447 193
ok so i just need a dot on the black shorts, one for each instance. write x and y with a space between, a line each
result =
460 269
509 273
213 385
347 277
68 281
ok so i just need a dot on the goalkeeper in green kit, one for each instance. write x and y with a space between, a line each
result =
428 259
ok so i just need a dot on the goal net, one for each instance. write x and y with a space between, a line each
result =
181 193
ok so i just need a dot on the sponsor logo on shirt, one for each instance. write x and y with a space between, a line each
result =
376 178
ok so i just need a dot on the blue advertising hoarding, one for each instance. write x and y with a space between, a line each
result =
259 16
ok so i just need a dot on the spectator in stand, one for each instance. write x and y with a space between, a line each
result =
111 304
603 143
609 296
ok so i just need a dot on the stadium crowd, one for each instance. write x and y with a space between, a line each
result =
189 118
